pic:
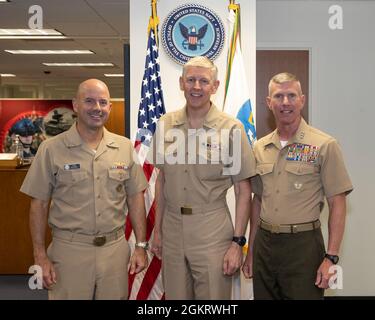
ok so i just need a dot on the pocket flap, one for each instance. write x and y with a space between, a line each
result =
79 175
72 176
264 168
118 174
299 168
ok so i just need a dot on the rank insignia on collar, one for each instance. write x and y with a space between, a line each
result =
302 152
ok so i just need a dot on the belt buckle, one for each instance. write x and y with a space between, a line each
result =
185 210
275 228
293 228
99 241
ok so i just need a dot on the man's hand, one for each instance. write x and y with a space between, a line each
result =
232 259
156 247
49 274
247 267
323 275
138 260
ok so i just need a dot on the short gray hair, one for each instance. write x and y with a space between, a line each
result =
203 62
282 78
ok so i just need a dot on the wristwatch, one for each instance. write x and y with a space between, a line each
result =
334 259
241 241
143 245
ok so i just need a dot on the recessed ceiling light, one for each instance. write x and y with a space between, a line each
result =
30 34
114 75
7 75
50 51
80 64
32 37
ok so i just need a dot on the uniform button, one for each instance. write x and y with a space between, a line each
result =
98 196
98 214
276 210
184 188
279 173
97 178
277 191
186 170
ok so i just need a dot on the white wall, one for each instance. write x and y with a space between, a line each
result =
170 71
342 104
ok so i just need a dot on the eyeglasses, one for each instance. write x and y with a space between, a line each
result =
92 102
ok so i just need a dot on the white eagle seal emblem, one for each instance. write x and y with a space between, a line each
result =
192 30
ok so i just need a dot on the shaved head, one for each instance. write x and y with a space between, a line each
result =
89 85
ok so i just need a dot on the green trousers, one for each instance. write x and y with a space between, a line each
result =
285 265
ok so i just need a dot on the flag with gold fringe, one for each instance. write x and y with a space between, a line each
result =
237 97
237 103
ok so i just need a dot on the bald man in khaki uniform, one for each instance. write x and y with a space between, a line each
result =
193 228
90 176
297 166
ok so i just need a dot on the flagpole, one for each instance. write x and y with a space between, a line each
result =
233 42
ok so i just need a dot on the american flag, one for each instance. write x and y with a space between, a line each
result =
148 283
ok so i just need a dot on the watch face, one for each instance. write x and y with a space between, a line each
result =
241 241
334 259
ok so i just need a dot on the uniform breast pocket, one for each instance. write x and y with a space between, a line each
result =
264 170
71 184
116 182
209 165
301 176
173 156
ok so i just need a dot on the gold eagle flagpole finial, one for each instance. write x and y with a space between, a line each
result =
154 20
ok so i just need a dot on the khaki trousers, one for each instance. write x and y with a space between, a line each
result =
85 271
193 251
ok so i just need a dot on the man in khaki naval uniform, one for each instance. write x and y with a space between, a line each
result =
193 229
297 165
90 176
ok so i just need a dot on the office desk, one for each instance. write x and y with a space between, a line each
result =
16 255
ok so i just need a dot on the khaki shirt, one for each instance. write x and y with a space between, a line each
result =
88 189
292 181
205 171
